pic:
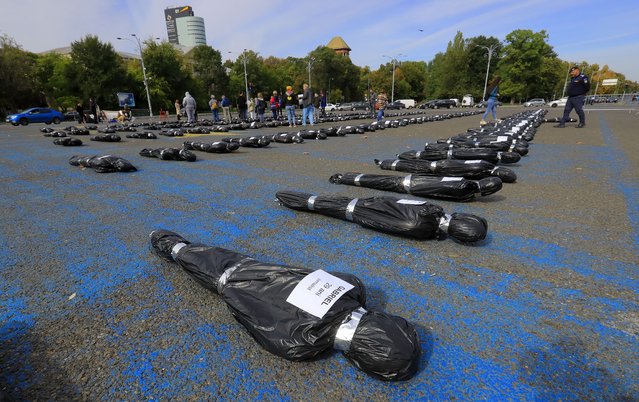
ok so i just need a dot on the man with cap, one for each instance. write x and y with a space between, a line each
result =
577 89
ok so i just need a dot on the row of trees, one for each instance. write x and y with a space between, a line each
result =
526 62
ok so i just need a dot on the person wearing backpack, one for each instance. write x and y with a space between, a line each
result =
215 109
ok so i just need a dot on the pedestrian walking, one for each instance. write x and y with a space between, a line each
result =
577 89
380 104
491 104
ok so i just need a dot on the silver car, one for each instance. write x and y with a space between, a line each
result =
535 102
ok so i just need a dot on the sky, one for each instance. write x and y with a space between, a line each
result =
602 32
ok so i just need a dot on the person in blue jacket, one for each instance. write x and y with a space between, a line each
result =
577 89
491 105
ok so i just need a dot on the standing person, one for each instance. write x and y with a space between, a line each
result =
93 109
322 104
275 104
577 90
226 108
242 107
307 104
189 105
491 104
289 101
214 106
251 109
178 109
260 107
380 104
372 100
80 111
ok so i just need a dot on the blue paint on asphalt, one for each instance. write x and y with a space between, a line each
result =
618 165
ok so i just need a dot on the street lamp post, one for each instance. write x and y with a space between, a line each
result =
395 61
146 84
243 54
310 61
490 50
328 100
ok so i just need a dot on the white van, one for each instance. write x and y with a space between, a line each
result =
468 101
409 103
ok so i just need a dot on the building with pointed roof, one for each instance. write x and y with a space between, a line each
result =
339 46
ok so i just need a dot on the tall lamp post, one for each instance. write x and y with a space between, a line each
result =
146 84
329 90
243 54
491 49
395 61
310 62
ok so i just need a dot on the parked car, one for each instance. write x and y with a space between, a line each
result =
441 103
35 115
360 106
345 106
535 102
330 107
558 102
409 103
467 101
395 105
483 104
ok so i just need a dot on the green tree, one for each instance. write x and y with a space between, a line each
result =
169 76
17 85
96 70
50 73
208 71
478 63
525 66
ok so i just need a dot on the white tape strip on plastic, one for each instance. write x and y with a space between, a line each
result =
310 204
356 180
406 183
444 221
395 162
350 208
176 249
346 330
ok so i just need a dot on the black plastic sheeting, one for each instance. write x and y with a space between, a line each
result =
169 154
449 188
68 142
103 164
110 137
410 218
219 147
469 169
382 345
447 152
145 136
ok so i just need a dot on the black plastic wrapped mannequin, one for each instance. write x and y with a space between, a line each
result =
450 188
485 154
474 170
103 164
260 297
169 154
410 218
218 147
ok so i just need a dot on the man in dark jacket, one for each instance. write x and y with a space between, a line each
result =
307 104
242 107
577 89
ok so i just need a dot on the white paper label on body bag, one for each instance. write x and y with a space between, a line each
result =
411 202
317 292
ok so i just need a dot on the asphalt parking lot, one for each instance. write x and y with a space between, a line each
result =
546 308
